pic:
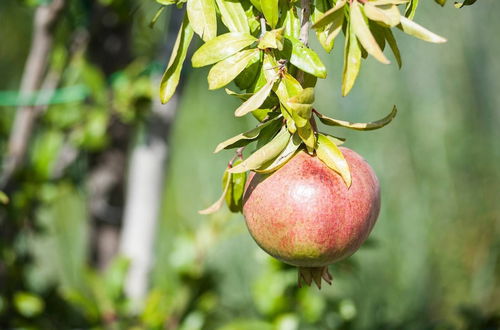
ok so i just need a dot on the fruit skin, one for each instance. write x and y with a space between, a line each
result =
304 215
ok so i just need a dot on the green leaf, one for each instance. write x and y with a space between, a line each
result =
306 133
330 16
464 3
364 34
441 2
172 74
247 137
256 100
394 46
234 194
272 39
291 21
388 15
359 126
225 71
266 153
218 204
326 34
202 17
413 29
233 16
352 61
301 106
257 4
411 9
270 10
249 76
330 154
303 57
221 47
166 2
287 153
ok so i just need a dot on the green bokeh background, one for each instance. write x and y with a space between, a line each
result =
433 260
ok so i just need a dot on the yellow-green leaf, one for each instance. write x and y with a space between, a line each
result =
221 47
272 39
330 15
256 100
292 21
233 16
352 61
306 133
225 71
359 126
418 31
249 136
270 10
364 34
266 153
330 154
287 153
202 17
303 57
388 15
172 74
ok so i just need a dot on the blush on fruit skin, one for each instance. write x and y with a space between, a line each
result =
304 215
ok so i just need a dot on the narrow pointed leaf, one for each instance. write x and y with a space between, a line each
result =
247 137
227 70
394 46
418 31
202 17
359 126
172 74
292 21
221 47
217 205
364 34
255 101
389 15
287 153
306 133
233 16
270 10
266 153
411 9
330 15
304 57
352 61
330 154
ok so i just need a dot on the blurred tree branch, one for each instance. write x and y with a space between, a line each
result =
45 20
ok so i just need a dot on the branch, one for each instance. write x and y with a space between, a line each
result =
304 29
305 21
45 20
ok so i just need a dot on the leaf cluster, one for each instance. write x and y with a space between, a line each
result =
263 50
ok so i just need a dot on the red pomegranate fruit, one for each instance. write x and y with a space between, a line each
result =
304 214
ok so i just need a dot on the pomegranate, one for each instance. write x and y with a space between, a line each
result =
304 214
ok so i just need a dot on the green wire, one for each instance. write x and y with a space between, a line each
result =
44 97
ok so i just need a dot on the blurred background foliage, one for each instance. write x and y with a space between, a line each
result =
433 260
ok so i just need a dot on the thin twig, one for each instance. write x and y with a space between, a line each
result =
262 26
304 29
